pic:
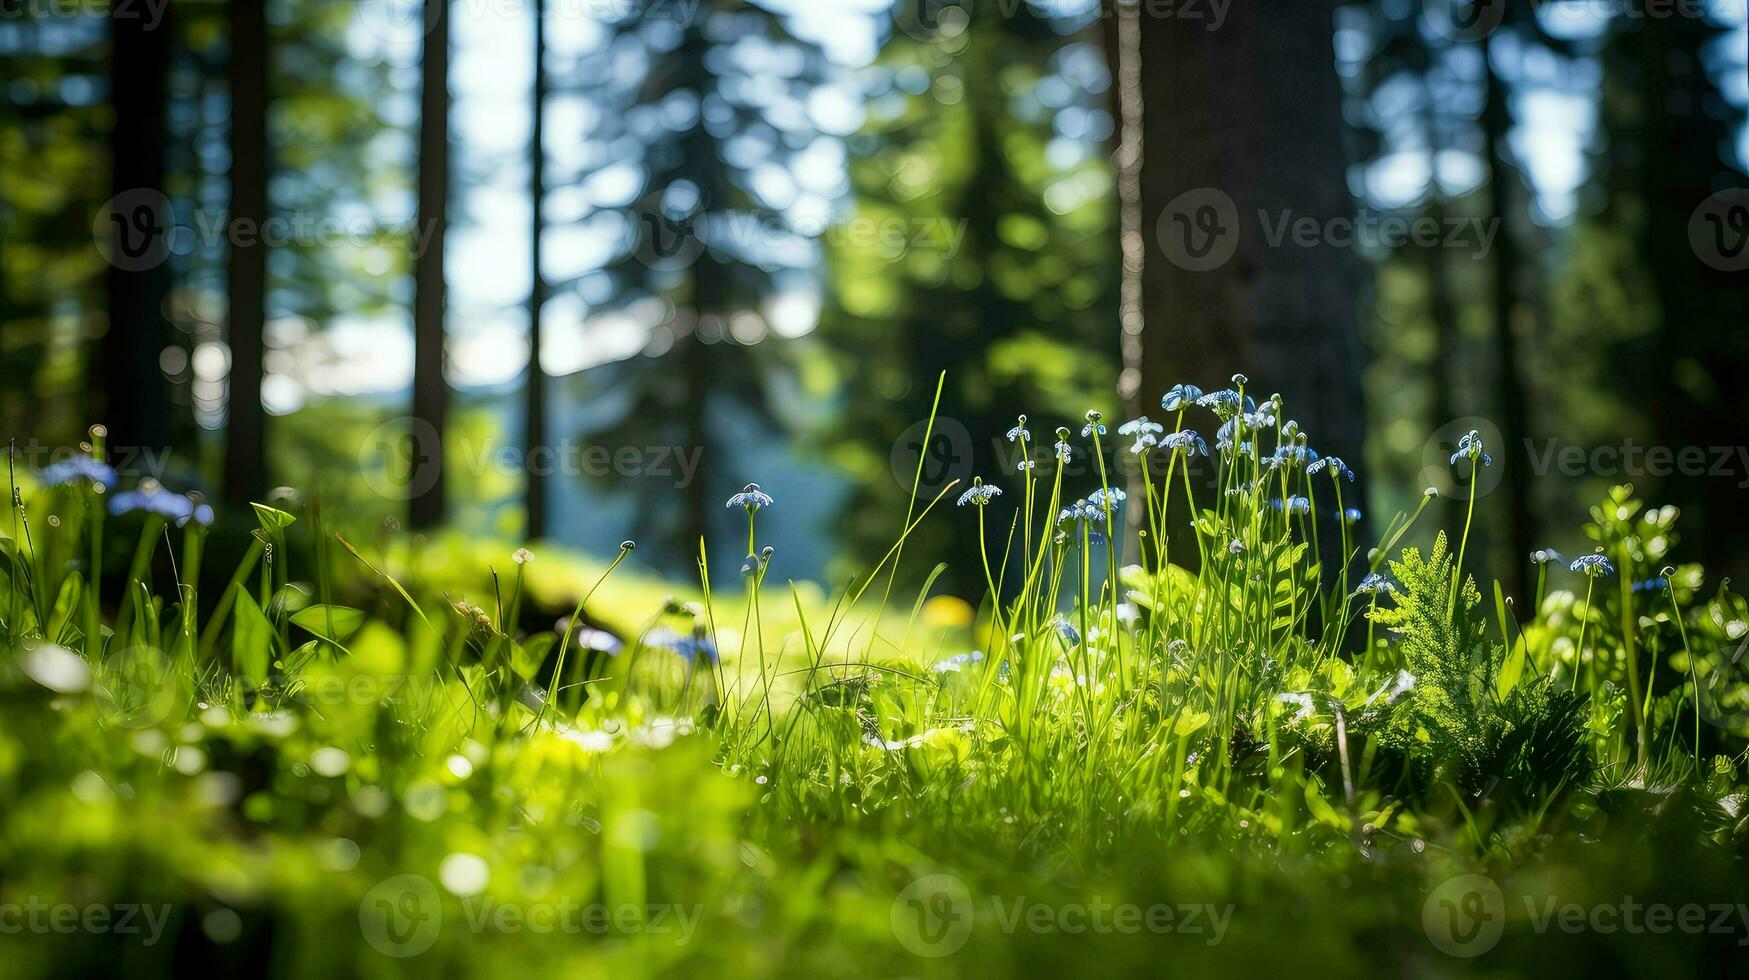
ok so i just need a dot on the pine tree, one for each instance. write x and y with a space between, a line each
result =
691 108
1005 280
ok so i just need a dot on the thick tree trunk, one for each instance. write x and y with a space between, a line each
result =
136 404
245 449
430 396
1243 132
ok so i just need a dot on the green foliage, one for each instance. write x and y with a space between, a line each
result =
1524 739
786 763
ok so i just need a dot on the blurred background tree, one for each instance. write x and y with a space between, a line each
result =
763 228
977 244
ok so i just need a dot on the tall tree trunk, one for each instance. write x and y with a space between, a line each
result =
1123 45
1441 305
1244 131
1502 177
535 392
245 449
430 396
136 404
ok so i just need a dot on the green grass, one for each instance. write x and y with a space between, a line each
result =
363 748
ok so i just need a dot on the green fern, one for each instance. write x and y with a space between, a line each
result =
1526 743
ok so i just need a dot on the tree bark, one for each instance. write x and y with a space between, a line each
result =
136 404
535 406
1496 122
1250 117
430 395
245 449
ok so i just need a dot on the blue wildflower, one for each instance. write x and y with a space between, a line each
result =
1545 556
1140 426
1025 466
1064 450
1070 634
695 647
1657 584
1262 418
1143 443
1375 584
1335 465
1470 447
1351 515
1083 516
1226 403
1019 433
1093 426
1292 454
1106 499
151 498
1592 566
959 662
1293 505
1180 397
751 498
1186 441
979 494
79 467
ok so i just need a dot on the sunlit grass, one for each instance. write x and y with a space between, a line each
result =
1303 712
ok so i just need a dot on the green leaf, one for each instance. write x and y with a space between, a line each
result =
526 658
330 622
66 604
1320 808
273 520
252 640
1190 723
